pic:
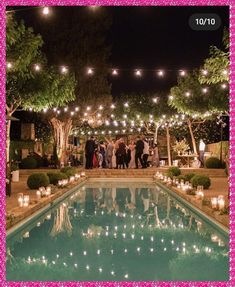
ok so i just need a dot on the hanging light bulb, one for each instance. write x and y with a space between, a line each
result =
138 73
187 94
126 105
204 72
205 90
77 109
101 107
114 72
112 106
182 73
45 11
88 108
223 86
72 113
225 72
90 71
171 97
64 70
9 65
155 100
37 67
160 73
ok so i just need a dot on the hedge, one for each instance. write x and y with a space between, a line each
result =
37 180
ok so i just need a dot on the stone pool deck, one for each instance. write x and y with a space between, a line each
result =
15 214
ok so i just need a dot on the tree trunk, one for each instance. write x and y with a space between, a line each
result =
155 138
61 131
168 138
192 136
8 139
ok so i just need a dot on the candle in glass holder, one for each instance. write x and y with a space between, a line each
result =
221 202
77 176
48 191
26 200
38 193
71 179
200 195
83 174
20 199
214 202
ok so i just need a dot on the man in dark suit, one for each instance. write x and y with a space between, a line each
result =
89 152
139 151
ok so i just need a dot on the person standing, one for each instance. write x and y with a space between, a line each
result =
139 152
89 152
109 153
201 152
132 150
145 153
121 154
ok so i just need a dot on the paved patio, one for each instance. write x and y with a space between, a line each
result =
14 214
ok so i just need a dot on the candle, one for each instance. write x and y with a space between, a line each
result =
48 191
20 199
26 200
71 179
221 202
200 195
214 202
83 174
38 193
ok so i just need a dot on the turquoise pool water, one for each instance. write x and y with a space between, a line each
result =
118 232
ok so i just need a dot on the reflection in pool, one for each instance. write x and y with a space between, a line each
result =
118 232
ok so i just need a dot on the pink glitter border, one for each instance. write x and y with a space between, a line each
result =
3 4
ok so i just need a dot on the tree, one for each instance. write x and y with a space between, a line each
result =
216 67
198 102
27 88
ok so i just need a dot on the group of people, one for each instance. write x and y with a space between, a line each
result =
116 154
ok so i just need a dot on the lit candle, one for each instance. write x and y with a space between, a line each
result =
48 191
20 199
214 202
221 202
26 200
38 193
83 174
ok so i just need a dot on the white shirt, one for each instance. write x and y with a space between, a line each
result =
202 146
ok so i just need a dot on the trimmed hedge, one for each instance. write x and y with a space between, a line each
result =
213 162
181 177
56 176
173 171
28 163
69 170
201 180
37 180
189 176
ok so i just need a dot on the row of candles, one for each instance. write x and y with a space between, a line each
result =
23 200
217 203
72 179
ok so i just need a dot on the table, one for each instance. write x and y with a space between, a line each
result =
186 158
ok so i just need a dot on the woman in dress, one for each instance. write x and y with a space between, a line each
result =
132 149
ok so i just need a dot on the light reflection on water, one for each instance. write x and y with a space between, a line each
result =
131 232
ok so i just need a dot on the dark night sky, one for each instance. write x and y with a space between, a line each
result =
150 38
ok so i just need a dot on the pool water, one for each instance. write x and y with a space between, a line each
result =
109 231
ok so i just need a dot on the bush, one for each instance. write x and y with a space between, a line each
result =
201 180
213 162
181 177
173 171
69 171
38 159
56 176
189 176
28 163
37 180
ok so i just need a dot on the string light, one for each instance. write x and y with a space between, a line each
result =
160 73
225 72
90 71
64 70
187 94
204 72
155 100
205 90
77 109
45 11
37 67
182 73
138 73
114 72
126 105
223 86
9 65
101 107
112 106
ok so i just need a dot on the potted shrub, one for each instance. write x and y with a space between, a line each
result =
180 147
15 172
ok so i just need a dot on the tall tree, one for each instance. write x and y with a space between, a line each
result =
29 88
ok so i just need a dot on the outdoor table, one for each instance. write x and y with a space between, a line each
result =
186 159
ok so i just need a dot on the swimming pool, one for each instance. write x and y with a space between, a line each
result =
118 231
